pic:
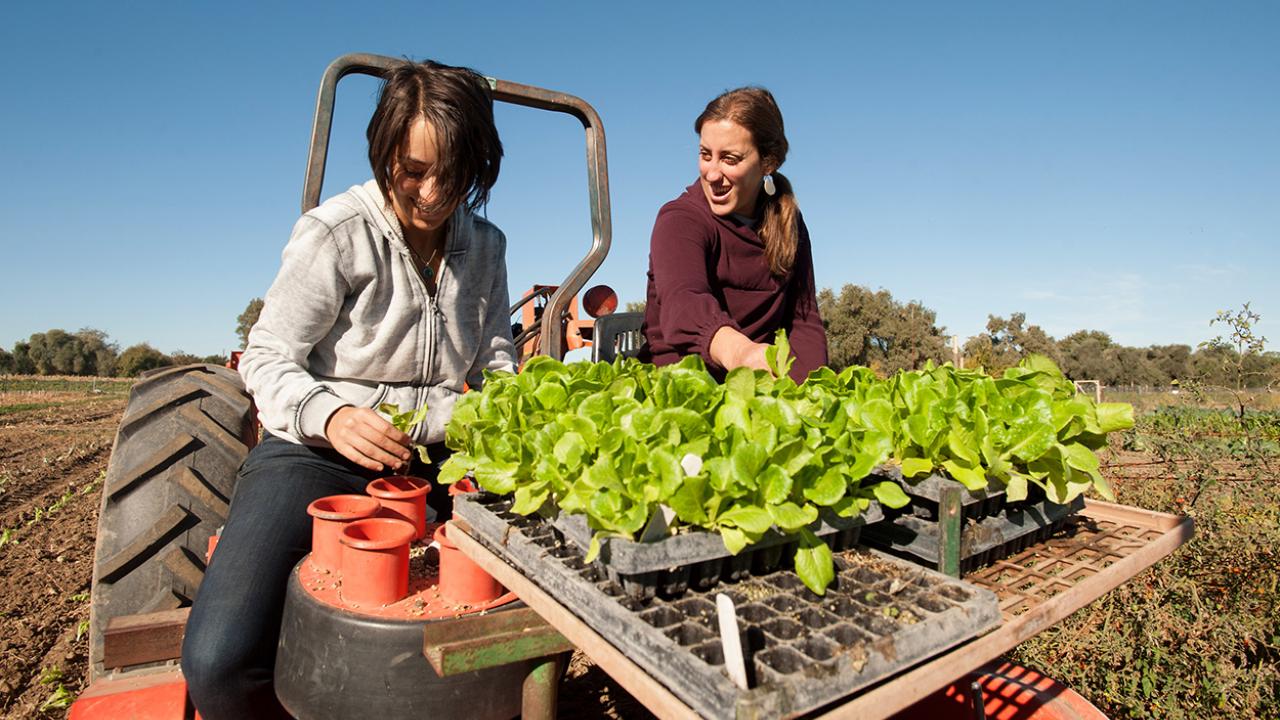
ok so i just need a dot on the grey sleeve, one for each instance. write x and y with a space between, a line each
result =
298 312
496 349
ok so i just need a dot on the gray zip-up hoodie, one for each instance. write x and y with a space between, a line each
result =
348 320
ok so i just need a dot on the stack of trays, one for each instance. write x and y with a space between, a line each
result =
879 617
699 559
991 526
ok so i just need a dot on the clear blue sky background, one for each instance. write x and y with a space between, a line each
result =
1097 165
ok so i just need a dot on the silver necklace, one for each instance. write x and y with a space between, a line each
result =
428 272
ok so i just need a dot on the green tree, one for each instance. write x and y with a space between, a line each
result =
7 365
874 330
1209 365
140 358
1083 355
22 362
1007 342
57 352
1134 366
247 319
1174 361
635 306
178 357
105 353
1242 354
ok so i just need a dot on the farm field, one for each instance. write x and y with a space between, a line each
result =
55 443
1196 635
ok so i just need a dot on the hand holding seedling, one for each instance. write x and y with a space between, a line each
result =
405 422
367 439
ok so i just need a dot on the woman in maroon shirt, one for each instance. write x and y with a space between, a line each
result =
730 261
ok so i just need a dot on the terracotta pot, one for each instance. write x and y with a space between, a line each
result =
375 561
461 579
213 543
328 516
403 497
463 486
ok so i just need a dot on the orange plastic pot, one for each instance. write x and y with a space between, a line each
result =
461 579
375 561
328 516
463 486
403 497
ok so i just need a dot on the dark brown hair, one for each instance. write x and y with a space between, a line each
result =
755 110
458 104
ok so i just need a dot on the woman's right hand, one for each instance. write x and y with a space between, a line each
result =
365 438
731 349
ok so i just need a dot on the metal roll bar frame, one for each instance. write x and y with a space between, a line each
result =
552 325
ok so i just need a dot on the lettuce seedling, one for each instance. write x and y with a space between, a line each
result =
405 422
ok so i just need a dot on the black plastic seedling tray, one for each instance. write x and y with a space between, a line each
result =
699 559
926 493
991 527
981 541
881 616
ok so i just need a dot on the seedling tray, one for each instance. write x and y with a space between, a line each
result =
986 525
926 493
699 559
879 617
981 541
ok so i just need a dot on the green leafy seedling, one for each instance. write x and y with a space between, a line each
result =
405 422
778 355
60 699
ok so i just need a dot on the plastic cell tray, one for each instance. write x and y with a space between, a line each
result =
804 651
981 541
990 526
926 493
700 560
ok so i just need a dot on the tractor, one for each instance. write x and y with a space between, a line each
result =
187 429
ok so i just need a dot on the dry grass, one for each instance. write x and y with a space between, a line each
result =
1198 635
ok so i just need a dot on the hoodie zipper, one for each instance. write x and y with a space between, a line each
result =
435 315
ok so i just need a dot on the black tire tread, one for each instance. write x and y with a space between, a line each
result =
169 482
144 545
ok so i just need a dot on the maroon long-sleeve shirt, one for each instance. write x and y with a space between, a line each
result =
707 272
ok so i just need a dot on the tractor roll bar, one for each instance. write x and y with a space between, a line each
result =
552 331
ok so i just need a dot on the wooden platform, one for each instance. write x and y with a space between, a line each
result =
1099 550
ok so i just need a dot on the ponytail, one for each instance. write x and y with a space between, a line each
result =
780 227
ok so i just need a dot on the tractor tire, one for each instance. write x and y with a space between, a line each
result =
183 436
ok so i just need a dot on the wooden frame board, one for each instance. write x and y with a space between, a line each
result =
1102 548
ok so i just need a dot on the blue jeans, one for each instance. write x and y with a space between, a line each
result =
229 652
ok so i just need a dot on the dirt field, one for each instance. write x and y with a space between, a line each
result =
52 459
54 449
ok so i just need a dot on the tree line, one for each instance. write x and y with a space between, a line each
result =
864 327
89 352
871 328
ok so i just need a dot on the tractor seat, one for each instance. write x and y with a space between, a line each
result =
617 334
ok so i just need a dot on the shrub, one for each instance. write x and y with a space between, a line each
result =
1198 635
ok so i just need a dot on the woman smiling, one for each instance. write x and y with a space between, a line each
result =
394 291
729 260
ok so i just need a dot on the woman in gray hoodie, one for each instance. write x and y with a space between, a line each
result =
392 292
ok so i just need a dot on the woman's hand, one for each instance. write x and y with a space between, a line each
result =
366 438
731 349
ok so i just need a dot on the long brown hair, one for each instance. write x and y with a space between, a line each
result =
755 110
458 104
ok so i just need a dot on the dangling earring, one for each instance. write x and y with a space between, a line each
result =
769 188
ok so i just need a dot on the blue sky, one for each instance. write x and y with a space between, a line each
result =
1097 165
